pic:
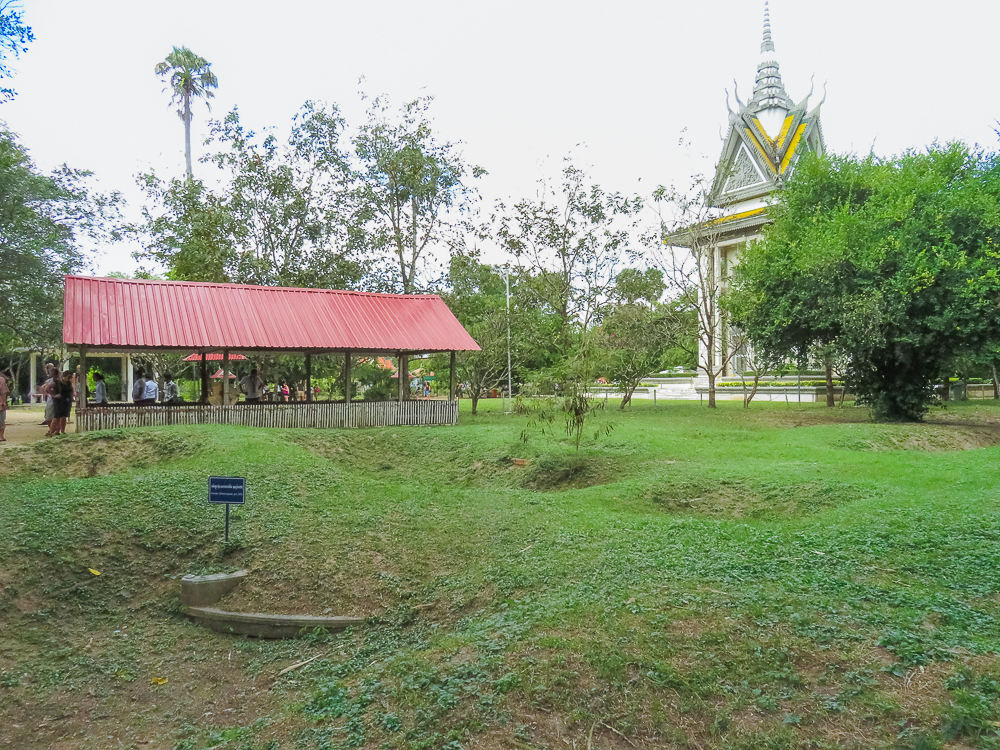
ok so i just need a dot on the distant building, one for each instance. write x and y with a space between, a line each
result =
766 137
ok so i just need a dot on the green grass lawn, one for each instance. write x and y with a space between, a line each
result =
783 577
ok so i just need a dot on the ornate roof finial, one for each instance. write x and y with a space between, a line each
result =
767 45
815 112
805 102
768 91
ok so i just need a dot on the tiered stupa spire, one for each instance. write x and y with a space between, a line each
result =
766 137
767 45
768 90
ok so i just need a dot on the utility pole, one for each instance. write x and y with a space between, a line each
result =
510 390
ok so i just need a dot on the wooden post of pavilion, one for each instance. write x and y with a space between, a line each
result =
204 378
451 379
225 377
81 395
32 376
309 377
404 376
347 377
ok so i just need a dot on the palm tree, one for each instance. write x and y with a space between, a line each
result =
187 75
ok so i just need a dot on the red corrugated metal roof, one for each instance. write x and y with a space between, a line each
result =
138 314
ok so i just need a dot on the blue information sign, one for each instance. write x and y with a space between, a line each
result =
227 490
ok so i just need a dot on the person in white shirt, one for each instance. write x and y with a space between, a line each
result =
100 390
150 390
252 386
46 390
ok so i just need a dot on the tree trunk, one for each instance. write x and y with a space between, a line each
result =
996 381
946 390
830 400
753 391
187 134
627 399
411 271
16 386
475 400
711 388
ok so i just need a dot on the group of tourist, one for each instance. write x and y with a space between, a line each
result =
59 391
61 388
146 391
281 391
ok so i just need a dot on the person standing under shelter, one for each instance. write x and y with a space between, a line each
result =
4 398
171 393
252 386
100 390
138 388
150 390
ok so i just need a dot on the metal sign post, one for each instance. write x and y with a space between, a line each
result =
227 491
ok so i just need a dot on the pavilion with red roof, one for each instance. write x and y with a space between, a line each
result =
214 321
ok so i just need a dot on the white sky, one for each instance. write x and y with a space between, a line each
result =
521 84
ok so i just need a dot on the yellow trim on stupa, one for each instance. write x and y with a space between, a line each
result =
760 150
780 140
740 215
760 127
791 148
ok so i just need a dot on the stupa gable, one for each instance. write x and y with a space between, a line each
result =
766 135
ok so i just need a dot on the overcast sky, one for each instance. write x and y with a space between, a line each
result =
521 84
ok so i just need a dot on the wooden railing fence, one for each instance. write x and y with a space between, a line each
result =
309 415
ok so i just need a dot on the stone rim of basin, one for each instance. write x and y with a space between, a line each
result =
198 593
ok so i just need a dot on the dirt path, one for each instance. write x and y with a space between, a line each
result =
23 425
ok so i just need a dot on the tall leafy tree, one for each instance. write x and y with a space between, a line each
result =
411 191
186 229
637 331
634 340
290 203
15 36
571 239
894 262
281 216
477 295
46 223
187 76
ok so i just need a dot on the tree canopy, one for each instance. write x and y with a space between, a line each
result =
572 240
14 38
410 190
893 262
281 218
44 219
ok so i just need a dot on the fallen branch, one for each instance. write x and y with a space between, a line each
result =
620 734
286 670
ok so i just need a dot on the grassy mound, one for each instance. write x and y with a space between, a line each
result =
780 577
